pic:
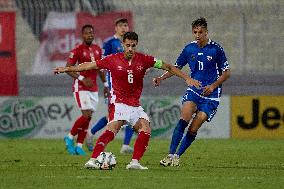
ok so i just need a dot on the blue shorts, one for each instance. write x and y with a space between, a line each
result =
203 104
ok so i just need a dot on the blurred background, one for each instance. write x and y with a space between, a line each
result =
36 36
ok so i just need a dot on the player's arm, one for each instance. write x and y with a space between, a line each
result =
181 61
102 74
175 71
80 68
210 88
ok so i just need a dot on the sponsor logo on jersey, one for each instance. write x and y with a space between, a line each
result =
209 58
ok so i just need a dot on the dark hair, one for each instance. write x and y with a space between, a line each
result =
121 20
199 22
86 26
130 36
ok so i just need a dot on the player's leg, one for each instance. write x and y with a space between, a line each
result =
196 123
106 137
98 126
89 106
68 139
187 111
82 132
141 143
141 123
206 111
126 149
95 128
117 119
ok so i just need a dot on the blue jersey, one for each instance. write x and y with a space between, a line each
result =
206 65
112 45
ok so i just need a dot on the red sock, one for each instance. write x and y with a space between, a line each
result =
82 131
140 145
102 142
78 124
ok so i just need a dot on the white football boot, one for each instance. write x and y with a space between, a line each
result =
134 164
92 164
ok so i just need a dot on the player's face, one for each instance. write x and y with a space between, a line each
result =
129 48
88 35
121 29
200 35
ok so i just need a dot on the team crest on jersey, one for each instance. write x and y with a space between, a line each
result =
209 58
119 67
192 57
71 55
140 68
84 53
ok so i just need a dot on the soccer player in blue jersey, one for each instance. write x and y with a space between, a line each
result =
113 45
208 64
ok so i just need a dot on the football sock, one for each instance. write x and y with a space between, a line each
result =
186 142
99 125
102 142
177 135
128 134
140 145
79 145
82 131
70 136
78 124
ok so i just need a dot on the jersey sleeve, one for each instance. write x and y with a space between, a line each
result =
103 63
107 48
222 61
150 61
73 56
182 59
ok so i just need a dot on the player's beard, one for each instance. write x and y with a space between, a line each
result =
88 42
129 55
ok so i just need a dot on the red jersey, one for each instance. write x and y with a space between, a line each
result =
83 53
127 76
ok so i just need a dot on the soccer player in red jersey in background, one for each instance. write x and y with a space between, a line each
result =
85 88
128 70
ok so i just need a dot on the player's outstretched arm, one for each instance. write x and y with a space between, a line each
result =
175 71
82 67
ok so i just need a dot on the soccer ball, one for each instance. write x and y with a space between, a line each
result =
106 160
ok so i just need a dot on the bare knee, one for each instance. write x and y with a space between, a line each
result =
142 125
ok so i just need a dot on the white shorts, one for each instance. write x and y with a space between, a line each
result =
131 114
87 100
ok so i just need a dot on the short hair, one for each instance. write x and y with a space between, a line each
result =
130 36
121 20
86 26
199 22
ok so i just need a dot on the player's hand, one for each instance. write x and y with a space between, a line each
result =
207 90
87 82
192 82
59 70
157 81
106 92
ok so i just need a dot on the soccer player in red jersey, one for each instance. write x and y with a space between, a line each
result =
128 70
85 88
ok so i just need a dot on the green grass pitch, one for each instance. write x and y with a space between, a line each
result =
210 163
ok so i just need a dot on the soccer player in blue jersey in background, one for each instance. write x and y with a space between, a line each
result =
208 64
113 45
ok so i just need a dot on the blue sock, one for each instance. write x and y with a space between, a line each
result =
128 134
99 125
177 135
186 142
